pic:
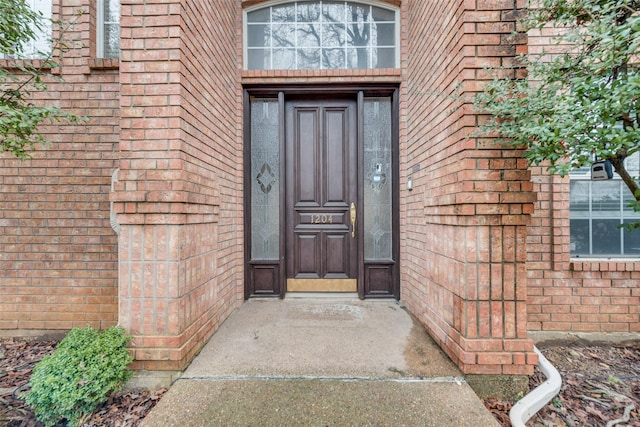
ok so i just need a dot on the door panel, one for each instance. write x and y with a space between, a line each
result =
337 146
321 147
307 157
336 254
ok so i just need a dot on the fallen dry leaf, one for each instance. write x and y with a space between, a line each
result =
586 372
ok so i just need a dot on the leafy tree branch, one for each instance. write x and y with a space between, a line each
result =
24 73
583 103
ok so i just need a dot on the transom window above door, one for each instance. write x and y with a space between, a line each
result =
321 35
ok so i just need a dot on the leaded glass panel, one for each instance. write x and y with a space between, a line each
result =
265 179
378 218
321 34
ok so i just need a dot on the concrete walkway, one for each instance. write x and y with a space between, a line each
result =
320 362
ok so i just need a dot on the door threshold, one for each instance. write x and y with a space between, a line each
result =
322 295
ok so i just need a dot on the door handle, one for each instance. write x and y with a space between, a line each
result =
352 214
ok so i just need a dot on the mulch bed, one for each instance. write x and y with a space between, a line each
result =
17 359
600 387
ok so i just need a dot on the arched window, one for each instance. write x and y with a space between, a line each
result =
321 35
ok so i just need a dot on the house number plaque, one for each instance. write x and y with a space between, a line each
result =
318 218
321 219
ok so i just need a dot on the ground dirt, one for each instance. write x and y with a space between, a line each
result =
601 384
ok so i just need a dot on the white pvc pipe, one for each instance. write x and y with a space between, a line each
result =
529 405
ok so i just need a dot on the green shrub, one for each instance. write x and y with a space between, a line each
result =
73 381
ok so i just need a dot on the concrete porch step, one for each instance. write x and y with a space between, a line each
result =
321 362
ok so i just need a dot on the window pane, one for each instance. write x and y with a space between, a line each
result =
283 35
358 34
358 13
626 201
265 178
378 219
579 236
384 57
358 58
386 34
605 199
333 11
112 10
333 35
308 59
333 58
605 237
258 59
631 241
380 14
309 35
284 59
579 198
258 35
308 12
261 15
284 13
112 41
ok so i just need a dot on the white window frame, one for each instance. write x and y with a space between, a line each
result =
100 25
245 47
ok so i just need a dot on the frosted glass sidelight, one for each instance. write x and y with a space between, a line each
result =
265 179
378 218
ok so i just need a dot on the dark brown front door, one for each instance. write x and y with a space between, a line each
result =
321 196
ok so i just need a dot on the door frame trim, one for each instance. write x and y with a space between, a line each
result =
358 92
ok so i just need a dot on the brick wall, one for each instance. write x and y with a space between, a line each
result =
179 195
58 253
464 228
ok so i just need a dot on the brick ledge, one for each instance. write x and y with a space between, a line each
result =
604 264
392 75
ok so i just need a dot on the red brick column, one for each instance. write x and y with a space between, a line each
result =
465 230
180 271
